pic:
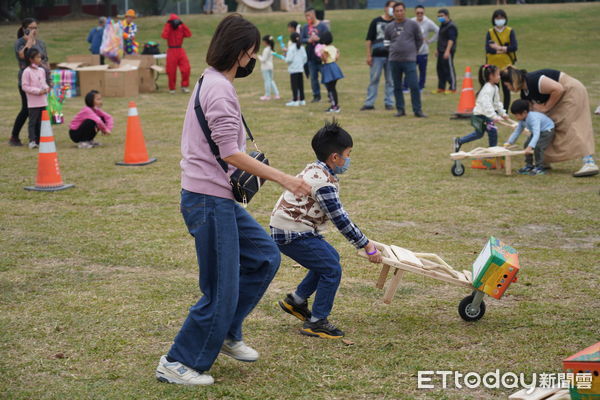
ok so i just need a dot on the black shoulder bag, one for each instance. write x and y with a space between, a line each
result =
244 184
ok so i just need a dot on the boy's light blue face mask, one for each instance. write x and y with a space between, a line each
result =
340 170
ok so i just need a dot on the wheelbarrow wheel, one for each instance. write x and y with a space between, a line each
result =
457 169
466 311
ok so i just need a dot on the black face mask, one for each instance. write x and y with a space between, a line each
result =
243 72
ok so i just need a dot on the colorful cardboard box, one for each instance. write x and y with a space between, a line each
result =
487 163
586 361
495 268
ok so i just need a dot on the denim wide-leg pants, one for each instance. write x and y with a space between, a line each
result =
237 261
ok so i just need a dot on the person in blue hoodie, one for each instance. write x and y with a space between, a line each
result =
95 38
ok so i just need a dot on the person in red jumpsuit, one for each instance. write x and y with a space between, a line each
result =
175 31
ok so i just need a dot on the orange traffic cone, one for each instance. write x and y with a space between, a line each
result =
467 97
135 146
48 176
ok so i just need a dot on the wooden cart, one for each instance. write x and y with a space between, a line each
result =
497 152
471 308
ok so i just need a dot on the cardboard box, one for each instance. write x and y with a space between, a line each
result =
147 82
92 78
586 367
146 61
495 268
84 59
122 81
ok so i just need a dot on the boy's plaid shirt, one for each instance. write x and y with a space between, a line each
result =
328 198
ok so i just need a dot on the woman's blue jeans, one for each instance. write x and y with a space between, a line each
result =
237 260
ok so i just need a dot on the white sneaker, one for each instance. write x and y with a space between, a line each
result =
185 89
85 145
302 103
176 372
588 169
293 104
33 145
239 350
171 91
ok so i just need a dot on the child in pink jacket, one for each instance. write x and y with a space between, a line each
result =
89 121
35 87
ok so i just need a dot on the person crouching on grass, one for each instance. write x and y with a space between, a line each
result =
542 133
89 120
297 221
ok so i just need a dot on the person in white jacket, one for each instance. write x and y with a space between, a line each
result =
296 58
266 67
430 32
488 109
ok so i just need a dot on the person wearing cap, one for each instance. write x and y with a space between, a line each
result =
175 31
130 46
95 38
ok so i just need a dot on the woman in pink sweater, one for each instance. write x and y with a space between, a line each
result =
89 121
33 83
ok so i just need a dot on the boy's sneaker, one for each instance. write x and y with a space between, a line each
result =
33 145
302 103
537 171
389 107
456 143
321 328
239 350
176 372
525 170
293 104
367 108
13 141
299 311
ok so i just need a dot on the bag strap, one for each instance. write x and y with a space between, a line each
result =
510 55
207 132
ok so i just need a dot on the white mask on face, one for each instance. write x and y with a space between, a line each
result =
499 22
391 11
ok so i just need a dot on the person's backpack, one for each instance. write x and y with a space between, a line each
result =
151 48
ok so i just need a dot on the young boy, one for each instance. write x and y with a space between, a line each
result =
542 133
295 226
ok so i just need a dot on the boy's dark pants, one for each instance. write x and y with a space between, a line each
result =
324 275
542 143
35 123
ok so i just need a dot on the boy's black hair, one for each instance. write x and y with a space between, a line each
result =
499 13
331 138
295 38
293 24
326 38
269 39
444 11
89 98
30 54
419 6
519 106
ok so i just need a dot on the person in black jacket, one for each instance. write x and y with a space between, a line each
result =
445 52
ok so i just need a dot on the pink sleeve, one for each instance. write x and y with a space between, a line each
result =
107 125
224 122
26 83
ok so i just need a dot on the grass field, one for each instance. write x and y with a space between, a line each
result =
95 281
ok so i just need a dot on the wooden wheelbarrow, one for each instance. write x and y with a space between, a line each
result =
497 152
491 279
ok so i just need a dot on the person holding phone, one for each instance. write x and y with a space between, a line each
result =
27 39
